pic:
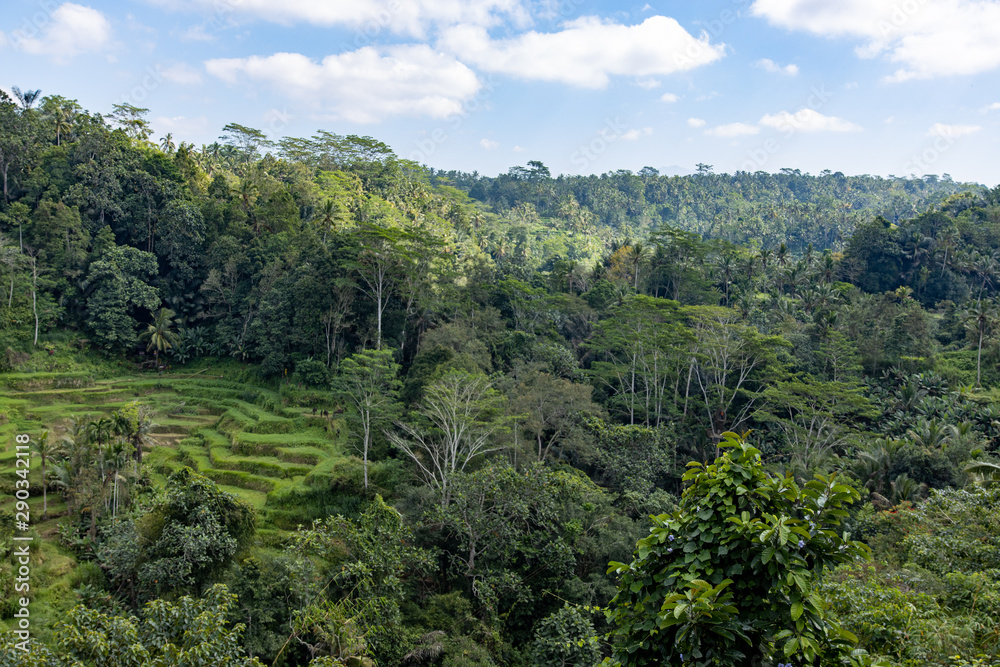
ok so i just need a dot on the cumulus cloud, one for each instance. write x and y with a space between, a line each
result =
182 74
636 133
519 149
489 144
179 126
71 30
804 120
586 52
992 107
373 17
648 84
196 33
807 120
769 65
926 38
361 86
669 98
731 130
952 131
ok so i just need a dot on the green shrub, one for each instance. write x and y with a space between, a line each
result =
88 573
313 372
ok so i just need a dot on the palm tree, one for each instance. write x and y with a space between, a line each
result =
872 466
636 254
62 118
160 333
931 435
984 473
764 255
167 143
946 241
749 264
45 450
986 267
332 212
100 431
117 458
829 267
137 431
781 256
906 489
76 474
726 268
978 318
27 98
915 248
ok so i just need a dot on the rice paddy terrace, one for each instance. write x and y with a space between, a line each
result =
292 465
280 459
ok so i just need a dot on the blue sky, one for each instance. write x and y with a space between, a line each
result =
860 86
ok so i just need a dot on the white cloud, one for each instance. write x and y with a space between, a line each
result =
180 126
182 74
769 65
952 131
696 122
72 29
927 38
992 107
669 98
361 86
489 144
807 120
587 51
732 130
519 149
635 133
371 18
196 33
648 84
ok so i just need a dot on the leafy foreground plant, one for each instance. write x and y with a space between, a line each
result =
188 632
728 578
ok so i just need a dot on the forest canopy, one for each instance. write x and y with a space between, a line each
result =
409 416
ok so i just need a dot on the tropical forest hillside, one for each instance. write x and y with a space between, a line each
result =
297 401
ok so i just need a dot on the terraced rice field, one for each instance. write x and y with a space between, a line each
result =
279 458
